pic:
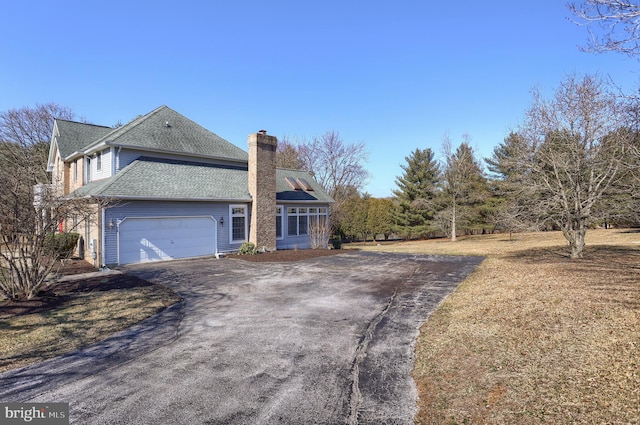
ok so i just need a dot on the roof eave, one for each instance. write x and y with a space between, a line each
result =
293 201
74 155
147 149
151 198
95 148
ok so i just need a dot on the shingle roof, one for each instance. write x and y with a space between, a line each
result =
284 191
161 130
165 130
162 179
75 136
151 178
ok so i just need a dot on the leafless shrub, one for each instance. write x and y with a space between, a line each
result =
319 234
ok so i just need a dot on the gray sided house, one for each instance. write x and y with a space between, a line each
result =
172 189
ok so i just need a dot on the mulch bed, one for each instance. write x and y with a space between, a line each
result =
287 255
60 293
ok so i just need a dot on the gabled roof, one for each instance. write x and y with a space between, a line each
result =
165 130
163 179
74 136
161 130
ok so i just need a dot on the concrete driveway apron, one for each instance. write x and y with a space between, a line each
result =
323 341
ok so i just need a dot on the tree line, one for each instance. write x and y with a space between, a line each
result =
572 165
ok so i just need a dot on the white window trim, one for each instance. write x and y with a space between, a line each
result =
99 161
320 212
280 216
87 169
245 208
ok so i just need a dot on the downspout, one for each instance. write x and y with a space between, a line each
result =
113 160
102 240
116 166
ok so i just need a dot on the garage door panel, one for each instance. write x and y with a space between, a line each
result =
165 238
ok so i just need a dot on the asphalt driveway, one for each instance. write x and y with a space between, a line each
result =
323 341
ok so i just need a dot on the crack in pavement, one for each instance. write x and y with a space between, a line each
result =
361 353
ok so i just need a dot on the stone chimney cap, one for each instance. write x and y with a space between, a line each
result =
262 131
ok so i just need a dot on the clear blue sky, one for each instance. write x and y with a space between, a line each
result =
396 75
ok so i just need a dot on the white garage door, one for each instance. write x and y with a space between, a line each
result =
165 238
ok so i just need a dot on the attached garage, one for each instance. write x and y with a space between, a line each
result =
143 239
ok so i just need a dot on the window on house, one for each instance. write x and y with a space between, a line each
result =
303 221
238 215
99 161
75 170
87 170
278 222
300 219
292 221
313 218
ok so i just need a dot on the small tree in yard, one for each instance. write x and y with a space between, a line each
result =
380 217
571 158
509 165
30 246
318 233
354 212
417 188
464 186
30 213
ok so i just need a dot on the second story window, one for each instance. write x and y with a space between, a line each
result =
99 161
75 170
87 170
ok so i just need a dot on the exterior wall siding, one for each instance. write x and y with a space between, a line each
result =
218 210
74 179
127 156
57 175
131 209
105 166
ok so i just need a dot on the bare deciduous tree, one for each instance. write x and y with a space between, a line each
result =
335 164
618 22
28 219
29 253
318 233
576 148
25 134
287 155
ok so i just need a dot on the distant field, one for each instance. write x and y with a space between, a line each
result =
531 336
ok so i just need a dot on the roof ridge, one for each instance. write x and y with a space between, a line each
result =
128 126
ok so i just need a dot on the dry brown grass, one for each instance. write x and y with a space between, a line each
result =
85 318
531 336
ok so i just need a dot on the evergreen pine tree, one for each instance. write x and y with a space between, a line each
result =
415 193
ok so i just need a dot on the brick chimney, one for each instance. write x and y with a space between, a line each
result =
262 187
